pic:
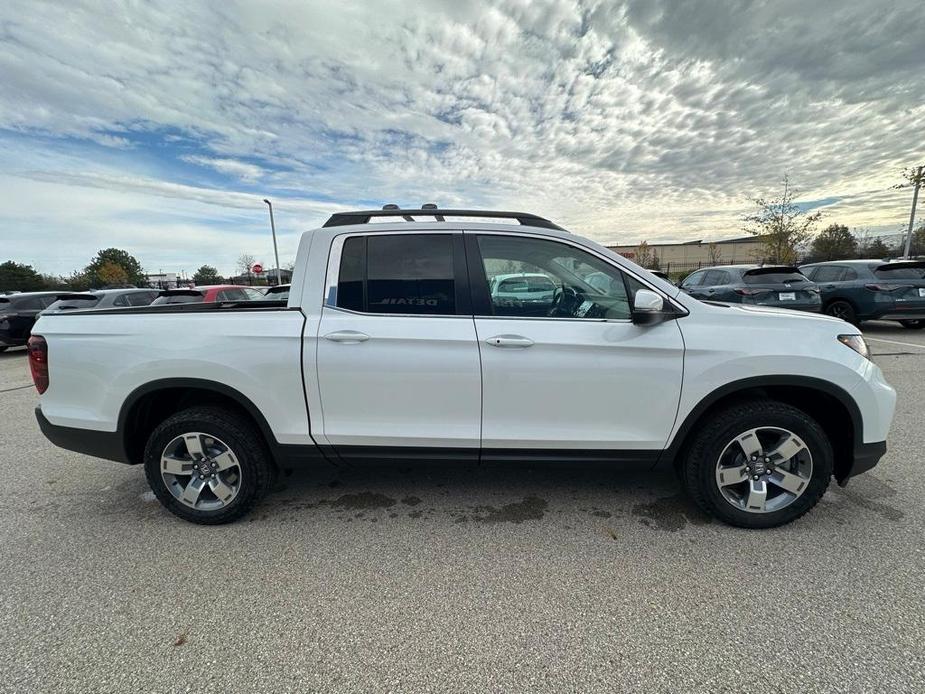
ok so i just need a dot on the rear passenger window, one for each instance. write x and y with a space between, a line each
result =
715 278
826 273
401 273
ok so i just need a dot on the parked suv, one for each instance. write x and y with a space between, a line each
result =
103 298
762 285
859 290
393 346
18 313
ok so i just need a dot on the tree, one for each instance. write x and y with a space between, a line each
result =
834 242
134 274
111 274
782 224
245 263
715 255
20 277
918 242
877 249
643 254
207 275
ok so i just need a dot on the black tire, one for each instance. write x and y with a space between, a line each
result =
721 427
913 324
844 310
253 460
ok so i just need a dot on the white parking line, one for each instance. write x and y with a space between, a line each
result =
895 342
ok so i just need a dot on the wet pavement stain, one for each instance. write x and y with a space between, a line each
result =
670 513
415 514
363 500
602 514
861 499
411 501
531 508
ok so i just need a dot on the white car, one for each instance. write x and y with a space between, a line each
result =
393 346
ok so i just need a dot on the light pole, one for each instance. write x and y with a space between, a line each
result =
915 199
279 273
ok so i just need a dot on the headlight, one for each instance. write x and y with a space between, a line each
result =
855 342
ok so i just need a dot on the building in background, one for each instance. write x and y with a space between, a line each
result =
690 255
162 280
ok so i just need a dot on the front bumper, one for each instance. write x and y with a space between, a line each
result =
866 457
99 444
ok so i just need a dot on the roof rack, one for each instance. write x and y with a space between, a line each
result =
431 210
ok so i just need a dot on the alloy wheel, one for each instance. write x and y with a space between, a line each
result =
763 470
201 471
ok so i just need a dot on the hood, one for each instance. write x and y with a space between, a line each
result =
773 312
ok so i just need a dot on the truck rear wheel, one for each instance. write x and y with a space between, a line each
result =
758 464
207 465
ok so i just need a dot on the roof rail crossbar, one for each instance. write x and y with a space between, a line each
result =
339 219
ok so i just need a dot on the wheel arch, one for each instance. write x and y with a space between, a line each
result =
151 403
830 405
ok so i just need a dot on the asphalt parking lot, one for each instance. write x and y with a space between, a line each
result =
427 578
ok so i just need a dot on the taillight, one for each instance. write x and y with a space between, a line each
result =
38 362
752 292
881 288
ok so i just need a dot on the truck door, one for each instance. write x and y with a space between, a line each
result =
568 370
398 361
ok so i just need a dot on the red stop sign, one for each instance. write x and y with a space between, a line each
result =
258 268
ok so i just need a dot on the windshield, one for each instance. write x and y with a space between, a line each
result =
773 276
276 294
73 302
903 271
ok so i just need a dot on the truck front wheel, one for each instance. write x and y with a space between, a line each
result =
207 465
758 464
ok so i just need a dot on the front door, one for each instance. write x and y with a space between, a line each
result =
563 365
398 361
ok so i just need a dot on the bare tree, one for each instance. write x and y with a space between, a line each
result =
715 255
782 224
245 263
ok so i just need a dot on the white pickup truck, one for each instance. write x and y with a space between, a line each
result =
391 345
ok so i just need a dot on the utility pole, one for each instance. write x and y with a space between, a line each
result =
279 273
915 199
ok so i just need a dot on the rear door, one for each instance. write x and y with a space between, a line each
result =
25 311
397 359
573 376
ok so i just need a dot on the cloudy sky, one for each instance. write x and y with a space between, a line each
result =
159 127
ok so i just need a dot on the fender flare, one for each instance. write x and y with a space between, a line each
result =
746 384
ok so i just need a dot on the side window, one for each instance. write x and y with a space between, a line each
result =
121 300
693 280
536 278
830 273
231 295
715 278
400 273
33 303
849 275
140 298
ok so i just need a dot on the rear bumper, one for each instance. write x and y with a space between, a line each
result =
866 457
99 444
903 315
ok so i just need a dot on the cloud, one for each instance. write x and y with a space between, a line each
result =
622 120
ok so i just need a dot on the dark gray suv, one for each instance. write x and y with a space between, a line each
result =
859 290
780 286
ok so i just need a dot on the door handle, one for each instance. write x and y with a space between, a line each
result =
347 336
509 341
